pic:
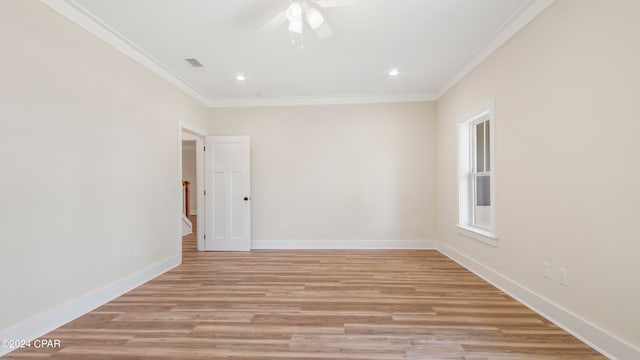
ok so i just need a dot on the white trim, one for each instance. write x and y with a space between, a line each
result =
199 133
187 226
601 340
200 189
466 158
179 193
341 244
474 115
319 100
82 17
519 20
484 236
192 129
60 315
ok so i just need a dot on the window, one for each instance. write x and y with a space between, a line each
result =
481 174
476 213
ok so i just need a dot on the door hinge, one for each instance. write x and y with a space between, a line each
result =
205 148
205 193
205 236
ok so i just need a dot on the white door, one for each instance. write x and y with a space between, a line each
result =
228 194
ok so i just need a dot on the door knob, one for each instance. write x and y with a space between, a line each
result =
246 198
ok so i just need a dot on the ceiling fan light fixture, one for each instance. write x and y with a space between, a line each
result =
314 18
294 11
394 72
295 26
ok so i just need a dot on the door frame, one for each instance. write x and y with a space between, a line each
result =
200 134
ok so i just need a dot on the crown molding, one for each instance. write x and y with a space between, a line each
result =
515 23
320 100
83 18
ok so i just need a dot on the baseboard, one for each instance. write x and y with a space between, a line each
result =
56 317
341 244
599 339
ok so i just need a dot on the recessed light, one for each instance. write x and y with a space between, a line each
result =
241 77
394 72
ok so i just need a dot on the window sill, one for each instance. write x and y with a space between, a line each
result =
481 235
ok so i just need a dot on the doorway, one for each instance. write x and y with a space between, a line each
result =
189 193
221 220
191 180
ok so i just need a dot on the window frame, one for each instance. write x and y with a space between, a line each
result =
474 173
467 175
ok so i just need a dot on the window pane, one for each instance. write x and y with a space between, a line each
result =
483 190
479 147
487 146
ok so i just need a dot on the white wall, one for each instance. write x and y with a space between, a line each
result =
570 81
339 173
89 162
189 172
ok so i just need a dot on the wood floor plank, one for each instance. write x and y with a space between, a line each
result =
319 305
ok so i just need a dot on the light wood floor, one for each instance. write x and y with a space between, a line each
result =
268 305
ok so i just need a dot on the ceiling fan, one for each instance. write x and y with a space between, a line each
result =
300 11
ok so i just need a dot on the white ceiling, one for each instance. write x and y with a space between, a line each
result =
429 41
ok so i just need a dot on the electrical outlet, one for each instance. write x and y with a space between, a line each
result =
546 270
282 226
562 276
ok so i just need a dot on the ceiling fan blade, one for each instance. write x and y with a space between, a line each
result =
324 31
275 22
334 3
